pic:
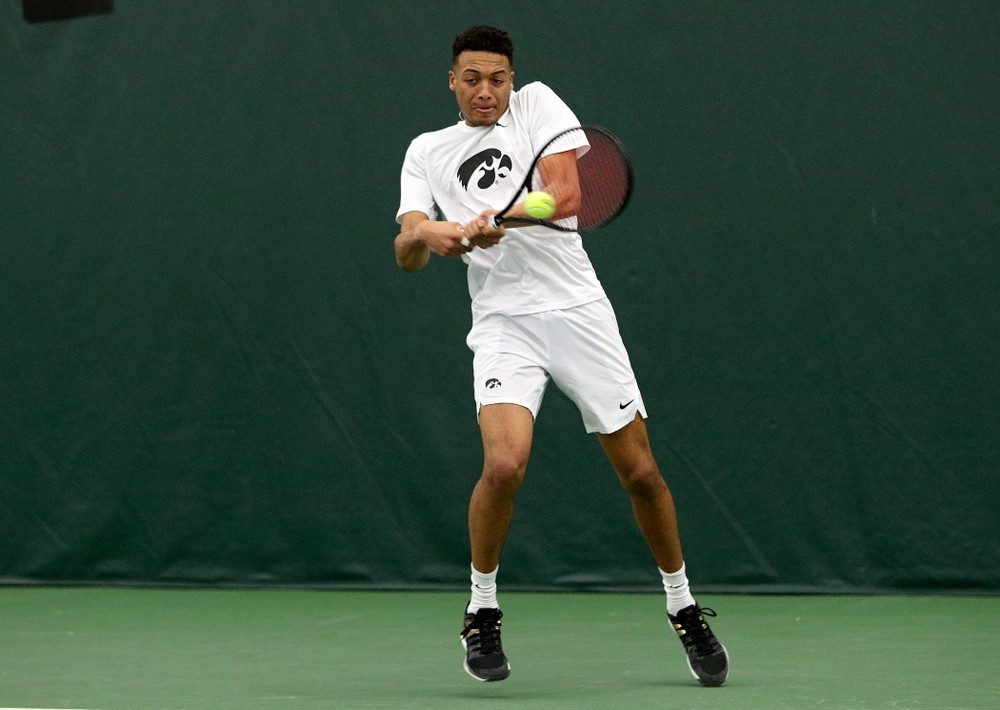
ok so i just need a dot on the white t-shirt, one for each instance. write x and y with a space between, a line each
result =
462 170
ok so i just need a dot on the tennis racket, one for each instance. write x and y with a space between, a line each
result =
605 176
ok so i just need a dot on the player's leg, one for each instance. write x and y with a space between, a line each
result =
594 370
509 384
507 432
592 367
629 451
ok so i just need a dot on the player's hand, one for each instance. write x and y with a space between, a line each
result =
443 238
479 233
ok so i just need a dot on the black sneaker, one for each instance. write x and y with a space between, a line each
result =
707 658
484 659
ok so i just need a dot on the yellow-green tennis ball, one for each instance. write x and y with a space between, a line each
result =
540 205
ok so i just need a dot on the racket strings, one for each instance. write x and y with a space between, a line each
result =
605 181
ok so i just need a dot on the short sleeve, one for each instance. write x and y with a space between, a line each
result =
414 189
547 114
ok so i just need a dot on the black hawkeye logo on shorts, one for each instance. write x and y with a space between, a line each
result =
492 383
491 165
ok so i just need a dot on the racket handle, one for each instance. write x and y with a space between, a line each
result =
465 242
494 221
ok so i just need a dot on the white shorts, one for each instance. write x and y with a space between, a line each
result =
580 349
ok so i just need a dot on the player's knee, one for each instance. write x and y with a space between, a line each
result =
643 479
504 470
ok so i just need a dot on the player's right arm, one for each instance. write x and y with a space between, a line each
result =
419 236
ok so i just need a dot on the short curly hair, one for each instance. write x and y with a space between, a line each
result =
483 38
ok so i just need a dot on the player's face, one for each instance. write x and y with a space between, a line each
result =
482 82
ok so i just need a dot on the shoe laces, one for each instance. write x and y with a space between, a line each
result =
483 633
697 633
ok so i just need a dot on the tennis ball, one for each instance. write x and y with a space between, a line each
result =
540 205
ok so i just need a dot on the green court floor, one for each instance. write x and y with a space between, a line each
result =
138 649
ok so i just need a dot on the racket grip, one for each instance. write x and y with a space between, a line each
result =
494 221
465 242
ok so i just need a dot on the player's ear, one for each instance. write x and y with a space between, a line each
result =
512 78
451 80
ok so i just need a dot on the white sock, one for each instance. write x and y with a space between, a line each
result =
678 590
484 591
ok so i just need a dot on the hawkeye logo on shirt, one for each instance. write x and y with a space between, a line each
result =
487 167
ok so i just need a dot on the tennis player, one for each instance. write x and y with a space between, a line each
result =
538 313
